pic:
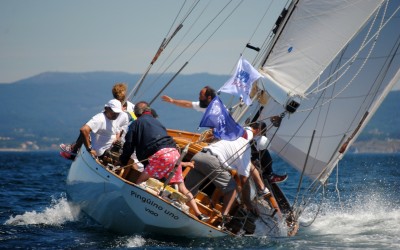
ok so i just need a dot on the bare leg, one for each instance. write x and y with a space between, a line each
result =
257 177
191 203
142 178
229 198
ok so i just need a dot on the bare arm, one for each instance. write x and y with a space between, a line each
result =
179 103
187 164
85 131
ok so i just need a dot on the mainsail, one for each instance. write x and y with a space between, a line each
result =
342 81
313 35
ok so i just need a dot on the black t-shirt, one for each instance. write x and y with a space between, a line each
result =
146 135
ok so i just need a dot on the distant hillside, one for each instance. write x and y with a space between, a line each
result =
385 123
51 107
47 109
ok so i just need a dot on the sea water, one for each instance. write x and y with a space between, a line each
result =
361 209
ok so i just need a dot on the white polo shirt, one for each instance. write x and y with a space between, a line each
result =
104 131
234 154
196 106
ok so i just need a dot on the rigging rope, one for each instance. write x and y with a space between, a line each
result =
393 53
209 37
314 186
180 42
349 62
336 185
318 210
150 86
163 45
374 38
264 46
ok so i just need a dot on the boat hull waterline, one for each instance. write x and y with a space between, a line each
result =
127 208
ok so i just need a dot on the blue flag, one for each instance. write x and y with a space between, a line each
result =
241 81
218 118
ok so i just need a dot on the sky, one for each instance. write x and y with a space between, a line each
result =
98 35
123 35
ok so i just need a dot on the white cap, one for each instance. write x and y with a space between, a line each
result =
262 143
115 105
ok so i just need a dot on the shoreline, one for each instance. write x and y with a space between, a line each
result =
26 150
352 151
373 146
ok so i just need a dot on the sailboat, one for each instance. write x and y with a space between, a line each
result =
326 67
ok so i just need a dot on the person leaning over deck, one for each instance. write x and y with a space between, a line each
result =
215 161
261 157
105 128
157 150
205 97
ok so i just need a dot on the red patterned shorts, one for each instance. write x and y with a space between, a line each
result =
162 163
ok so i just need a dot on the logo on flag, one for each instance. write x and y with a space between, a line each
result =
218 118
242 80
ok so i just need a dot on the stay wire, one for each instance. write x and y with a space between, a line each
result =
318 211
150 85
161 48
183 37
209 37
337 186
212 34
230 159
256 29
176 18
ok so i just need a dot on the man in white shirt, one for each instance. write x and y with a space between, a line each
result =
214 163
100 132
205 97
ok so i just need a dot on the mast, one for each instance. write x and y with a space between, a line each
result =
279 26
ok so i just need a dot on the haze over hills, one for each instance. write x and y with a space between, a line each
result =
42 111
51 107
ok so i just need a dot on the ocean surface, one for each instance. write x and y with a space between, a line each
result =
361 210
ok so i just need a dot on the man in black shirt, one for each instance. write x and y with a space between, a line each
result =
157 150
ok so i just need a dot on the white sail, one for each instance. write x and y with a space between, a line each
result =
311 38
343 99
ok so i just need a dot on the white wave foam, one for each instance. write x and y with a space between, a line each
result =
59 212
135 241
368 218
129 241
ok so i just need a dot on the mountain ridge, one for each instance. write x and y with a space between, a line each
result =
44 110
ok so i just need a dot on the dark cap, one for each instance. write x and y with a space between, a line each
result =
260 125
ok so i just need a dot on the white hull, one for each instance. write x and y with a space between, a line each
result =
124 207
127 208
